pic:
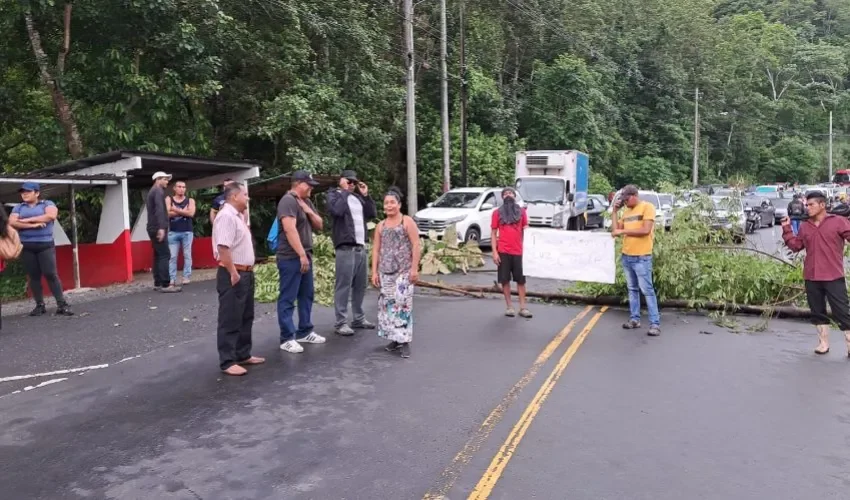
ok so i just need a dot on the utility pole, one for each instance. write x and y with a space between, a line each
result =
696 138
411 111
463 98
830 147
444 76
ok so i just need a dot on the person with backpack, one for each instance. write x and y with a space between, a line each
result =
796 212
351 208
298 219
34 219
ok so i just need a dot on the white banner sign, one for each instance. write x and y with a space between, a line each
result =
569 255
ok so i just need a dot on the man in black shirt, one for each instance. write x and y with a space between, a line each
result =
158 232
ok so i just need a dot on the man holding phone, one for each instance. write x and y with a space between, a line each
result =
351 209
822 235
637 227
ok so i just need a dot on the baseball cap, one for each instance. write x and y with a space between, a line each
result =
161 174
29 186
304 176
350 175
630 190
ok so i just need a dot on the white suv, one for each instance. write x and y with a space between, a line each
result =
471 209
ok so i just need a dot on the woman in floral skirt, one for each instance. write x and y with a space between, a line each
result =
395 270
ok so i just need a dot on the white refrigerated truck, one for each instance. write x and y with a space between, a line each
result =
554 186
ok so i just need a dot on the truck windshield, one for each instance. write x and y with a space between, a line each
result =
457 200
541 190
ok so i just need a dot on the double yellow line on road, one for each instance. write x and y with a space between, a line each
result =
497 466
500 461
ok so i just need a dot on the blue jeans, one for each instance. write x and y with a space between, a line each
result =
294 285
638 271
795 226
175 241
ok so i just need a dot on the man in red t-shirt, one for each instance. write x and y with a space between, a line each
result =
509 223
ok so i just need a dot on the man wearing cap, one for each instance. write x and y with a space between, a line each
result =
158 232
34 219
351 208
637 227
299 219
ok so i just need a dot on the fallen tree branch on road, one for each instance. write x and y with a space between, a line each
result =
609 300
446 288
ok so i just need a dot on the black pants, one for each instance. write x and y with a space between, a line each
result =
161 256
819 292
235 317
510 267
40 260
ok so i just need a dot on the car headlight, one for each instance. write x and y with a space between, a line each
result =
454 220
558 219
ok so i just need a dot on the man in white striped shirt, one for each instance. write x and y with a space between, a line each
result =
234 250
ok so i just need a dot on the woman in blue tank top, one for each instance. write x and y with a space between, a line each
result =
181 211
34 219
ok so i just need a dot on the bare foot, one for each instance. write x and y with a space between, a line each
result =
235 371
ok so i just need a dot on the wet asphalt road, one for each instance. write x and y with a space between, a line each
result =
688 415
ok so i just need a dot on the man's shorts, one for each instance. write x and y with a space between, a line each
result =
510 266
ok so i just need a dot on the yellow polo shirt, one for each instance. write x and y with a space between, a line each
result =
633 219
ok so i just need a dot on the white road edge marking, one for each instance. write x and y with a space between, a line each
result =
50 374
46 382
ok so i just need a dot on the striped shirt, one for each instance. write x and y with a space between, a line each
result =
231 231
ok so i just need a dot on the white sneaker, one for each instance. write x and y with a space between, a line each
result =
291 346
313 338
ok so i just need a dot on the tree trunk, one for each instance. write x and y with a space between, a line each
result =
780 311
61 107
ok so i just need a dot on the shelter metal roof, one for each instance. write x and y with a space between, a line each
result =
52 185
181 167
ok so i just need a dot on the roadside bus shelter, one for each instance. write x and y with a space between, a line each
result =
121 249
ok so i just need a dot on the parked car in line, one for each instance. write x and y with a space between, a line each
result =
648 196
768 190
765 209
652 197
780 208
667 205
597 204
727 214
470 209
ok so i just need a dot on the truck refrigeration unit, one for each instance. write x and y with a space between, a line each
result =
554 185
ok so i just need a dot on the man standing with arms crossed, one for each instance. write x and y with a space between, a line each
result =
637 227
298 220
823 236
234 251
351 208
181 232
508 224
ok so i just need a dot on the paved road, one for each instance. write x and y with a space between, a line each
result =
591 412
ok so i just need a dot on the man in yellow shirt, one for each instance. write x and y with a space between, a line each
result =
637 227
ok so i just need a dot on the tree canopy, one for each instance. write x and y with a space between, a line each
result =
320 85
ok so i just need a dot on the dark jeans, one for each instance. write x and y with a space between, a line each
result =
235 317
818 293
40 260
294 285
161 256
351 264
